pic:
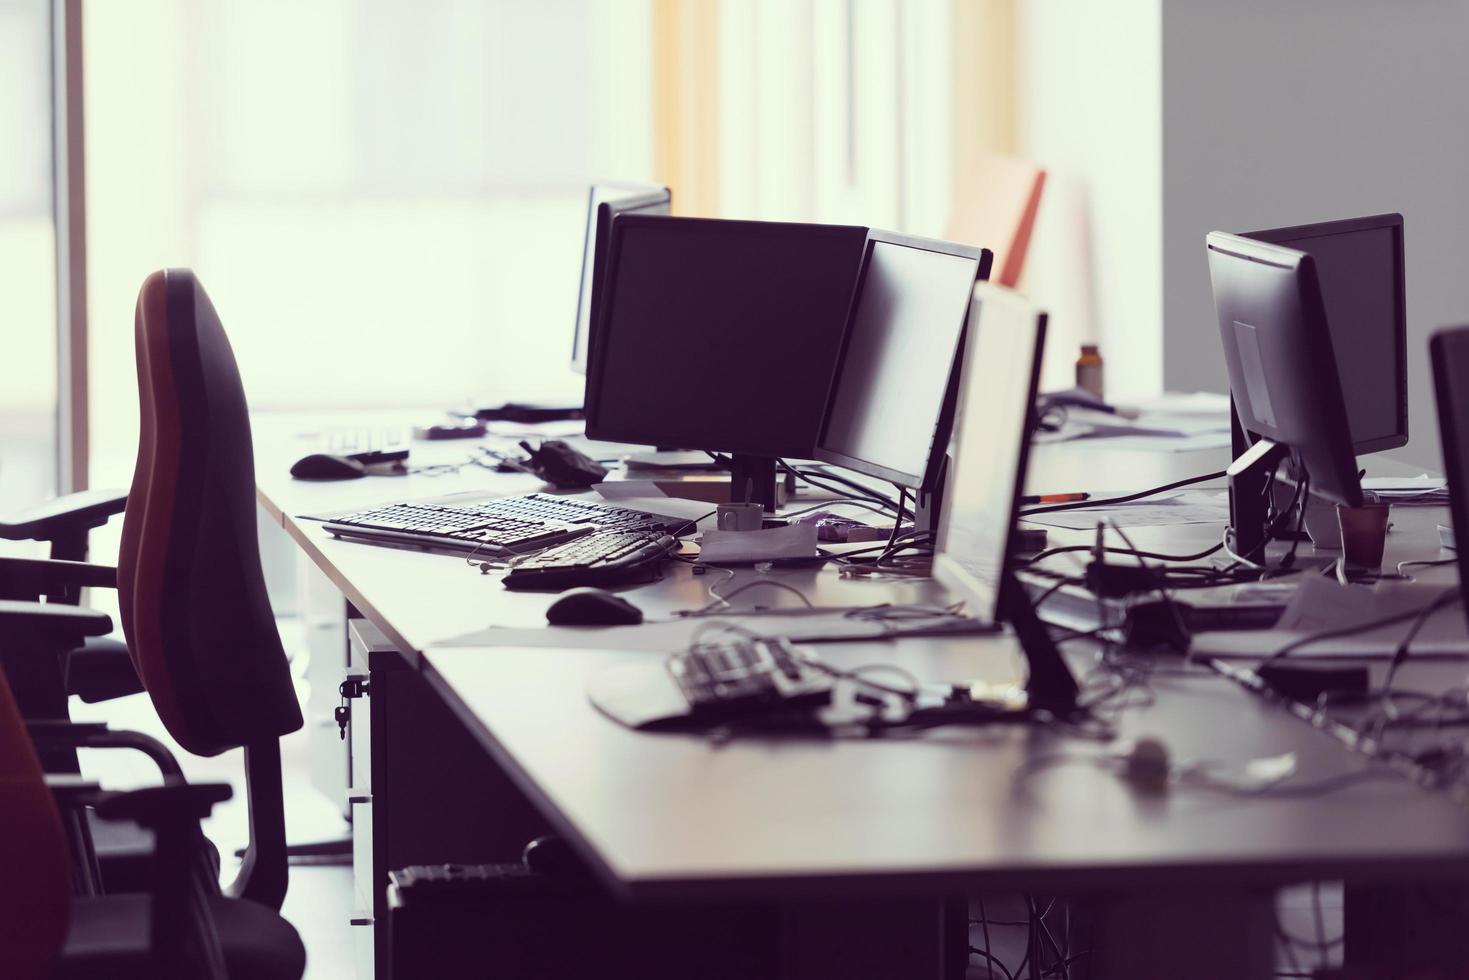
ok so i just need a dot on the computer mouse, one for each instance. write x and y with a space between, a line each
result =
592 607
325 466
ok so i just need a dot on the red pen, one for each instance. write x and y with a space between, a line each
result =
1056 498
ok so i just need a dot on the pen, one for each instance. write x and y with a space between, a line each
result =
1055 498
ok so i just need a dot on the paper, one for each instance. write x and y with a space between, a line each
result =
771 544
1181 444
621 490
1321 605
677 459
1193 403
1193 507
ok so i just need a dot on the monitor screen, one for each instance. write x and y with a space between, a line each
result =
605 202
1449 353
887 414
1359 263
1278 350
720 335
992 437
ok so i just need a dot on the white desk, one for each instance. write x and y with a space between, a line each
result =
677 818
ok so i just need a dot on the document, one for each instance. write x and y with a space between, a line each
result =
793 541
1181 507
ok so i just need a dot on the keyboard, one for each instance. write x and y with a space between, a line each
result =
492 528
747 678
603 558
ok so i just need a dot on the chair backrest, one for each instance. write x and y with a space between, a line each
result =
35 902
995 206
194 606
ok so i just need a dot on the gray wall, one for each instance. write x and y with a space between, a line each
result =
1279 113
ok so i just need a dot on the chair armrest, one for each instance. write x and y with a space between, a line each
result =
67 514
70 789
51 622
159 808
49 733
28 578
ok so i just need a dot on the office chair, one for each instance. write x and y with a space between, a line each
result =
198 623
193 602
182 927
100 669
995 205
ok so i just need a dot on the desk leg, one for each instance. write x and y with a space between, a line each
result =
918 939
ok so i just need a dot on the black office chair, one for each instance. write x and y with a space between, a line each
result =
100 669
51 922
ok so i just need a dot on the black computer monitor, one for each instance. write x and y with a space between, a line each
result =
605 202
1359 263
975 545
1448 351
1282 373
891 406
721 335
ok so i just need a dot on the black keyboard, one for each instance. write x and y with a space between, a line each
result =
603 558
492 528
747 678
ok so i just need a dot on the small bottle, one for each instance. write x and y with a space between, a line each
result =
1089 370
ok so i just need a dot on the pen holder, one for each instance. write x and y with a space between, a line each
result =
1363 534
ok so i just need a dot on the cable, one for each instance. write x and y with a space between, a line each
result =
1049 552
1127 498
722 600
852 486
852 501
1401 653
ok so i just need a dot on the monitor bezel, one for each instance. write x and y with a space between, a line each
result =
1292 235
639 196
943 425
1439 357
595 426
1342 486
946 571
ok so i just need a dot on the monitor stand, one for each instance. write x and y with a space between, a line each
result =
928 505
1050 686
1249 510
752 480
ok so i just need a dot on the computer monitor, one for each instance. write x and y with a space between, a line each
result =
1359 262
1448 352
605 202
891 406
976 536
721 335
1282 373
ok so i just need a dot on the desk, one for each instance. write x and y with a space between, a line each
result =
676 818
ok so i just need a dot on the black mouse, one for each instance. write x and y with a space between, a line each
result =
592 607
324 466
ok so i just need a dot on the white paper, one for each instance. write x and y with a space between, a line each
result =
620 490
1322 605
771 544
1173 507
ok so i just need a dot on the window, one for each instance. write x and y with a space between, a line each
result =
384 200
28 371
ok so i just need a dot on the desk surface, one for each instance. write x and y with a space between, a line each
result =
672 816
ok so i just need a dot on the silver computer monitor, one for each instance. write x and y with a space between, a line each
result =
992 431
891 405
606 201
